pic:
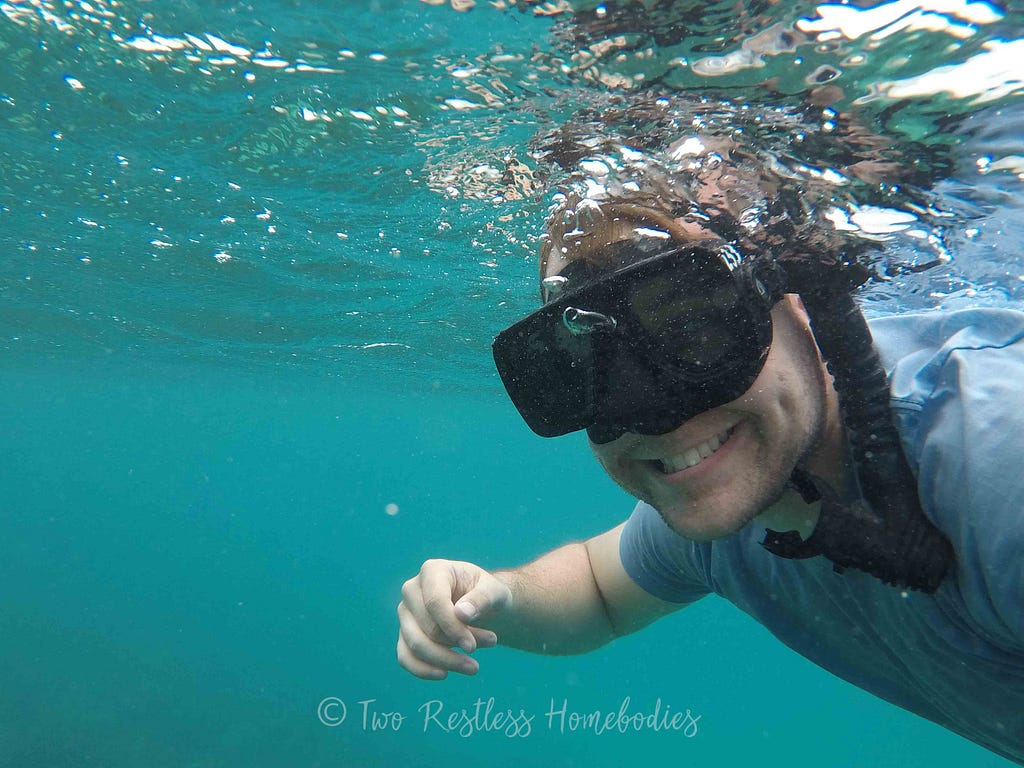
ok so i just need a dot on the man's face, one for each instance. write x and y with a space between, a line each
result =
718 471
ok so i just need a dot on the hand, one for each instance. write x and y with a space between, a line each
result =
434 616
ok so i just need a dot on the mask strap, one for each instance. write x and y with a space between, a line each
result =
886 533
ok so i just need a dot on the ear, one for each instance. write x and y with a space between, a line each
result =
792 306
796 304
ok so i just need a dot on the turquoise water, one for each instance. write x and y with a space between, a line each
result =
248 389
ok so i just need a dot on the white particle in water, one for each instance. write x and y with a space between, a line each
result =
391 509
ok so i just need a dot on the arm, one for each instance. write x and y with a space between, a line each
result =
571 600
575 599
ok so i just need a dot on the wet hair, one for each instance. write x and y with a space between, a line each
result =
767 178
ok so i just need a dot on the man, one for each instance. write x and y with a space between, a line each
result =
724 421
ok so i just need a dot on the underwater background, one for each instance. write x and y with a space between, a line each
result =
252 257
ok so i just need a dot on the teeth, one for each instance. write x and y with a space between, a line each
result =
693 456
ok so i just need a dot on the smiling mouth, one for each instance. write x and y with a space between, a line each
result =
692 456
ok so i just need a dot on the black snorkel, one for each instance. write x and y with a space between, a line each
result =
885 534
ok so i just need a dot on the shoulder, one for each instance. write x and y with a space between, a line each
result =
661 561
915 347
958 374
957 387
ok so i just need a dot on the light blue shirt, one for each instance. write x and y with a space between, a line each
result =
955 657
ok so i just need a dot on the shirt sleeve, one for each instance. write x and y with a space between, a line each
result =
659 560
970 476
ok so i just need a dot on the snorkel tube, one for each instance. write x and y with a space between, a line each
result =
885 534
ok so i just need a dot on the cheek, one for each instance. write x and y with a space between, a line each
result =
617 469
799 404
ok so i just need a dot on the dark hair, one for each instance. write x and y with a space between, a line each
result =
771 178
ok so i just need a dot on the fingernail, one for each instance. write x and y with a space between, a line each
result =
466 610
467 644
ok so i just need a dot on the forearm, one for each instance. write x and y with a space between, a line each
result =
556 608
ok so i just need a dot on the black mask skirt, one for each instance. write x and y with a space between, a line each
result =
641 348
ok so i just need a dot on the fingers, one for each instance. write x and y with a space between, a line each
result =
437 587
430 660
424 657
437 606
484 637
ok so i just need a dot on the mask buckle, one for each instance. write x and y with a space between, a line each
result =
581 322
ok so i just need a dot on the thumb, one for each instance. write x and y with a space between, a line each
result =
489 596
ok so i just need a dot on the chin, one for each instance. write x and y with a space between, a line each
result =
704 524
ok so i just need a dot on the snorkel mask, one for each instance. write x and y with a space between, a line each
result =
652 340
641 345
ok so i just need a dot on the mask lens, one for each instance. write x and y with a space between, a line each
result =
641 349
549 368
690 319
